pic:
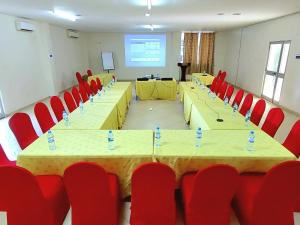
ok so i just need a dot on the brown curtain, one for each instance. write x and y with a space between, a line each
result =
190 51
207 52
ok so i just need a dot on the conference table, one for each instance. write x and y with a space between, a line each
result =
219 146
131 148
202 110
105 78
85 139
203 78
156 89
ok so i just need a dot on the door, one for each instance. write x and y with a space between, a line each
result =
1 108
275 70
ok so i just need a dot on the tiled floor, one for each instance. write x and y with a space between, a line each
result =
141 115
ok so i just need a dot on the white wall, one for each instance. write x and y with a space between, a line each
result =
114 42
254 49
27 74
70 55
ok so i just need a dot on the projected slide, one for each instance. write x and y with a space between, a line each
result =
145 50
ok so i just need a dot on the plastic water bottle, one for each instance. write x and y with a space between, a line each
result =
213 96
66 118
226 101
157 137
103 90
235 108
51 141
81 106
198 137
251 140
91 99
110 140
247 118
99 93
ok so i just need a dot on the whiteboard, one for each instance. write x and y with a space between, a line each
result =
107 61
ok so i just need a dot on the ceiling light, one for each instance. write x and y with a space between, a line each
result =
151 27
148 14
149 4
236 14
65 15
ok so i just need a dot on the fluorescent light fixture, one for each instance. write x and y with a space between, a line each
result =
236 14
148 14
65 15
149 4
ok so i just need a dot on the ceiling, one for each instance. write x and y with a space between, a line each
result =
167 15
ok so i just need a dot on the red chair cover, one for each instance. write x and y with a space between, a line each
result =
292 141
88 89
268 199
223 76
69 101
93 194
31 200
21 126
229 92
76 95
246 106
83 93
222 91
99 83
94 87
4 161
57 107
207 195
238 97
153 195
214 83
43 116
218 86
258 112
273 121
79 78
89 72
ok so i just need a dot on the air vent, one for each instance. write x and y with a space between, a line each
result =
24 26
73 34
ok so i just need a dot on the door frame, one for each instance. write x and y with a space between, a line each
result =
275 74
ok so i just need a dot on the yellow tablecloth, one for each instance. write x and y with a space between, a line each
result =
131 149
121 94
105 78
94 117
219 146
156 89
204 79
202 111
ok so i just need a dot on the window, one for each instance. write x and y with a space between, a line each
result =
181 46
275 70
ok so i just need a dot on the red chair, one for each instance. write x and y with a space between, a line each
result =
88 89
207 195
238 97
79 78
83 93
229 92
246 106
292 141
32 200
218 86
76 95
21 126
214 83
99 83
69 101
89 72
57 107
258 112
94 87
268 199
4 161
223 76
222 91
219 73
93 194
43 116
273 121
153 195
